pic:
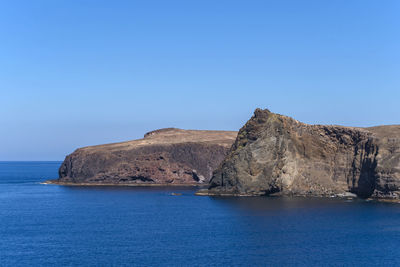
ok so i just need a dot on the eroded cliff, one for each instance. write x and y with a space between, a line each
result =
165 156
275 154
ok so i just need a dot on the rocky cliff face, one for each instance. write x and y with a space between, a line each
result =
275 154
166 156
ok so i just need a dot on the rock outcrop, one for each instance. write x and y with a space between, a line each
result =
166 156
277 155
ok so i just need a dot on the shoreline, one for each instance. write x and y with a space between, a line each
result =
347 196
51 182
204 192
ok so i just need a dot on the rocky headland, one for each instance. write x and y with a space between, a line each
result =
277 155
163 157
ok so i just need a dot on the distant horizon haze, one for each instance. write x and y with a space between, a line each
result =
81 73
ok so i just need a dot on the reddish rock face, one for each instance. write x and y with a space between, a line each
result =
165 156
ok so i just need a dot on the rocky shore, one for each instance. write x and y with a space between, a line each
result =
277 155
271 155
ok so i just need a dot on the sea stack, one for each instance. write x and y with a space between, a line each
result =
277 155
163 157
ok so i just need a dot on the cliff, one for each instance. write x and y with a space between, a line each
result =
165 156
277 155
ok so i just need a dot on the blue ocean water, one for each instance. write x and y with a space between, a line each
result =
50 225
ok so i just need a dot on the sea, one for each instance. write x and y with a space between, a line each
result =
51 225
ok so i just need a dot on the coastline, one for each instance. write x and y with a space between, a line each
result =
54 182
203 191
346 195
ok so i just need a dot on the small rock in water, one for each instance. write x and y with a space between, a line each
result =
347 194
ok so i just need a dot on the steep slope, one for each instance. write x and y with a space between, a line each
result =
275 154
166 156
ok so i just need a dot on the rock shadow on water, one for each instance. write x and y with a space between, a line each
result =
132 189
275 204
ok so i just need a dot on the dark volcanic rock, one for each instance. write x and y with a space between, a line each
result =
165 156
275 154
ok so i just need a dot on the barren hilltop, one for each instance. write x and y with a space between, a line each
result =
166 156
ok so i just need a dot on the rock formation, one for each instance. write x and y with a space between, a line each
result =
277 155
166 156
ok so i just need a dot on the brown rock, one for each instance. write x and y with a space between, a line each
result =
165 156
275 154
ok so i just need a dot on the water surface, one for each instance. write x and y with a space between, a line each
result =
51 225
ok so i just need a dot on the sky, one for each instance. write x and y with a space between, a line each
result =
78 73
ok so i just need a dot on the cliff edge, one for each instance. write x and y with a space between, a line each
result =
277 155
165 156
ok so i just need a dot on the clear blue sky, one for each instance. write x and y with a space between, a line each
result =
78 73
